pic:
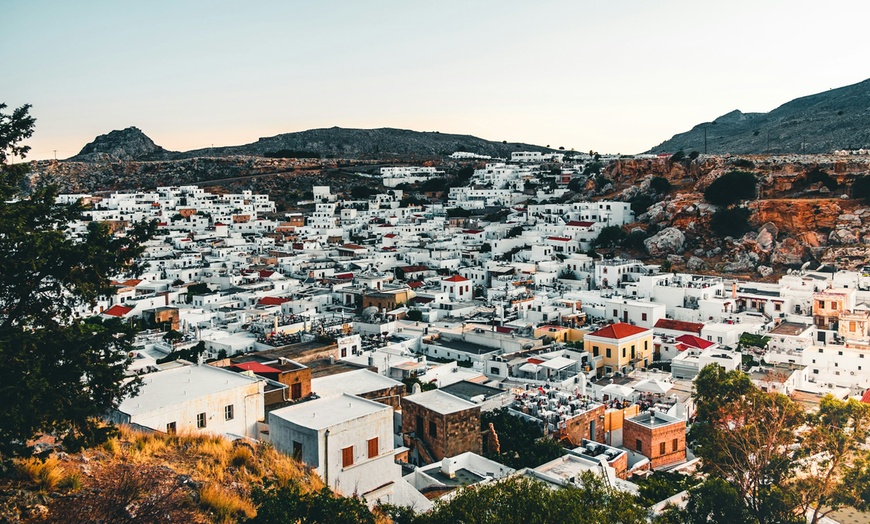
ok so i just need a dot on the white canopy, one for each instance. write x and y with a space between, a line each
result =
653 386
529 368
616 390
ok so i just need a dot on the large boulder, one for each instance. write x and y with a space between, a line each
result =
668 240
789 252
695 264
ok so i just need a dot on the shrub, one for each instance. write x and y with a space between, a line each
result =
610 236
415 315
641 202
634 240
861 188
731 188
678 156
731 222
71 482
660 184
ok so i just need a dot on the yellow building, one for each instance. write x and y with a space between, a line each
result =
623 347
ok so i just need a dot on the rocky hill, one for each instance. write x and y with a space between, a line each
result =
803 212
819 123
126 144
334 142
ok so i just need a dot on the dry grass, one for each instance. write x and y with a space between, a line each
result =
46 475
223 472
226 505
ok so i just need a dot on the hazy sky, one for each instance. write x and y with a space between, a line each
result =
614 76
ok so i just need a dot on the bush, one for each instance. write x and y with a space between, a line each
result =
742 163
660 184
226 505
678 156
414 314
610 236
46 475
731 222
731 188
861 188
634 240
641 202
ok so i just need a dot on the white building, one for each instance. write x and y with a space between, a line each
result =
188 398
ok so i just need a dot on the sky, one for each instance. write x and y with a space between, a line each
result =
617 76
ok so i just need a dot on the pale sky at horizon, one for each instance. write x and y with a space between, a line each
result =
616 77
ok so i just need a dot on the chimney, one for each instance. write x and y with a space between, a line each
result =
734 290
447 468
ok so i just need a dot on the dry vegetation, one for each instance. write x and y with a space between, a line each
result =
148 477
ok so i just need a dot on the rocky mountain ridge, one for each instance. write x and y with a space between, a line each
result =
820 123
334 142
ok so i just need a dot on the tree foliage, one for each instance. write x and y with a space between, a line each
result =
660 184
63 370
522 500
731 188
769 462
610 236
861 188
730 222
278 504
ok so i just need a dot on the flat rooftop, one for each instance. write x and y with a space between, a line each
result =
466 390
352 383
324 413
654 419
788 328
181 383
463 346
440 402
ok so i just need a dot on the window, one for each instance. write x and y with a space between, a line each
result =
661 448
228 412
297 450
777 306
840 353
200 420
296 390
343 352
675 444
643 316
433 429
638 446
170 428
615 313
623 352
607 352
347 457
595 351
373 447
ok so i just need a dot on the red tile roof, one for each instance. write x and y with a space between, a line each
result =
117 310
866 398
679 325
272 301
415 284
560 239
691 340
256 367
618 331
456 278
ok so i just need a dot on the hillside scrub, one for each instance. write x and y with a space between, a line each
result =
731 188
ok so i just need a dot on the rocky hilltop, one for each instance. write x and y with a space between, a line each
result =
819 123
794 220
126 144
334 142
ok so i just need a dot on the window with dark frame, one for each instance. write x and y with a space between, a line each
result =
373 447
229 412
200 420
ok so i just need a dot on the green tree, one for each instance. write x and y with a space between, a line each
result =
62 370
415 314
521 500
832 447
610 236
282 504
743 436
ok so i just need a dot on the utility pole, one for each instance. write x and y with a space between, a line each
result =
55 155
705 139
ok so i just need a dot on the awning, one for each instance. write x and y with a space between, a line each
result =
653 386
616 390
529 368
